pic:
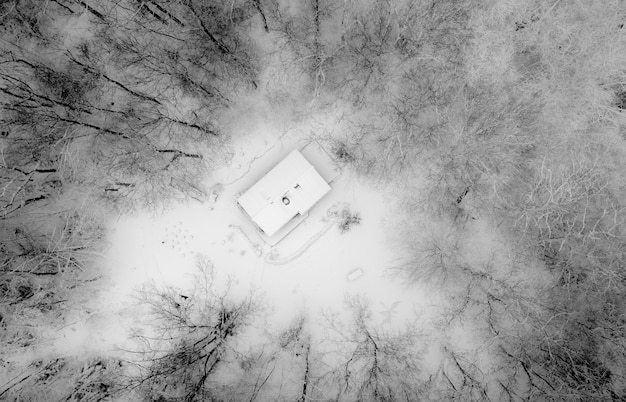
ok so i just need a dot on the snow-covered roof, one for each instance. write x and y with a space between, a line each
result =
290 189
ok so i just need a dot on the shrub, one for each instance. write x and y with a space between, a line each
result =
342 153
348 219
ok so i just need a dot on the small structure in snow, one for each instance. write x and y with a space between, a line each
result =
282 198
215 193
354 274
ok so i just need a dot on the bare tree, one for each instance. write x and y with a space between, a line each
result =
305 31
119 104
86 379
280 365
193 332
459 379
370 363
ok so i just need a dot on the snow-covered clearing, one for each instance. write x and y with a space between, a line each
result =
470 247
307 273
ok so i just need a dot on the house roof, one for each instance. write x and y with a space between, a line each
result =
292 187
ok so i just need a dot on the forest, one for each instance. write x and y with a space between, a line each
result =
493 119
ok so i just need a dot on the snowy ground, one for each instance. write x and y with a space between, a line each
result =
306 273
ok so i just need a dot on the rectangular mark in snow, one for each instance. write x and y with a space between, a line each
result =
354 274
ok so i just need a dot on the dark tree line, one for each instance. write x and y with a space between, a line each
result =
128 115
123 114
130 106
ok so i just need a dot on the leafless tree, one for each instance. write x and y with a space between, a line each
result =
86 379
192 337
459 379
370 363
114 104
304 29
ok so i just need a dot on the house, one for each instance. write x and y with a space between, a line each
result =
281 199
